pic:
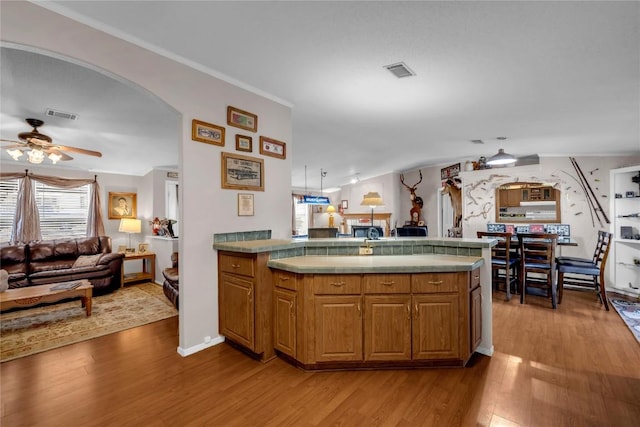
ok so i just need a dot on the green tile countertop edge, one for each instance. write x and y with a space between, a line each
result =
376 264
270 245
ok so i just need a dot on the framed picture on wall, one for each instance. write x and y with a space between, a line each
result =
207 132
273 147
244 143
122 205
242 172
245 204
242 119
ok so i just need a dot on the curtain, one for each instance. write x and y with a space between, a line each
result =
26 227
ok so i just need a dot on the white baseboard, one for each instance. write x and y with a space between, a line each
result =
485 351
184 352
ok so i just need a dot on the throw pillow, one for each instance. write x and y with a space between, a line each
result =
4 280
87 261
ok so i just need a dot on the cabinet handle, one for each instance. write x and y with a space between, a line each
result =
439 282
359 312
290 308
337 284
391 283
476 277
416 313
283 279
408 311
249 294
235 265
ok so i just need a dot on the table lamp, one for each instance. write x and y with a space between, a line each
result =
372 199
331 210
130 226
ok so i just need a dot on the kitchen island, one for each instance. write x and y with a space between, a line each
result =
413 302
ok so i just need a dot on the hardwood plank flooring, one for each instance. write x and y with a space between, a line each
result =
575 366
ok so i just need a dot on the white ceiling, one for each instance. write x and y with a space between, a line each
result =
556 78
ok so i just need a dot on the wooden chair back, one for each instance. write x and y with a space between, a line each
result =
538 255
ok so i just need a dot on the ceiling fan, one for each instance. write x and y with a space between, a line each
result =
36 145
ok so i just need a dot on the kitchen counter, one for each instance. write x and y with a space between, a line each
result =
376 264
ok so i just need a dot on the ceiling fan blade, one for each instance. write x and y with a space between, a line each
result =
79 150
9 147
13 141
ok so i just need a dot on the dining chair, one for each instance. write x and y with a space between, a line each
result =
584 272
505 262
538 264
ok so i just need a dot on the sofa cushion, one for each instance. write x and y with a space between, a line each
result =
87 261
88 246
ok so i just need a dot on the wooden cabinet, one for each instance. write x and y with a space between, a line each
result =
387 327
245 302
435 326
237 312
284 324
360 320
338 328
527 202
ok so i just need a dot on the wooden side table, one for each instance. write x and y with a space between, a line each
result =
148 268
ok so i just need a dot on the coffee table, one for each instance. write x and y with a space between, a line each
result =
33 295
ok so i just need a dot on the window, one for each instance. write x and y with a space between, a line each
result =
63 212
8 200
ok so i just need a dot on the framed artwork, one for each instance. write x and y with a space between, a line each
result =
273 148
242 119
344 204
207 133
242 172
244 143
122 205
245 204
122 249
450 171
143 248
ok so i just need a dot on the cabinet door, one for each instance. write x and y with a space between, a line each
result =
285 321
236 309
387 327
338 328
475 318
435 326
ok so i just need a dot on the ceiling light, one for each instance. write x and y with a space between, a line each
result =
35 156
15 153
501 158
54 157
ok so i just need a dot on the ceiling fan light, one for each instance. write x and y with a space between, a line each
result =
54 157
15 153
36 156
501 158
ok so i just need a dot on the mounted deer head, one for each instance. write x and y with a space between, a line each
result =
412 189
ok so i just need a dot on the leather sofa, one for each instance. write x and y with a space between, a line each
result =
51 261
171 285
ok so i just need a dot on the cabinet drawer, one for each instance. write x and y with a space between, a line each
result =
237 264
474 279
336 284
285 279
438 282
387 283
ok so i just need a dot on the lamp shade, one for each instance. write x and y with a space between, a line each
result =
331 209
501 158
372 199
130 225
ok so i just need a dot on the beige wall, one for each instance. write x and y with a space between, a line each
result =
206 208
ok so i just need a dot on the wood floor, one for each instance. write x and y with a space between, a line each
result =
575 366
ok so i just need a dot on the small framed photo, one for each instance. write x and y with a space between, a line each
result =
273 148
244 143
245 204
207 133
143 248
344 204
122 205
242 172
242 119
122 249
130 251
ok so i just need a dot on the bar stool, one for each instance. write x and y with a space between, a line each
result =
538 256
505 261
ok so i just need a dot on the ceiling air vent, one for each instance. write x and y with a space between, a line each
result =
55 113
400 70
477 141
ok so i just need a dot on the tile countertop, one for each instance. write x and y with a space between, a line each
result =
376 264
269 245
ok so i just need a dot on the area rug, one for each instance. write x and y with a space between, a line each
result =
26 332
630 313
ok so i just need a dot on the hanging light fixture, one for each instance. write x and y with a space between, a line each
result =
501 158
